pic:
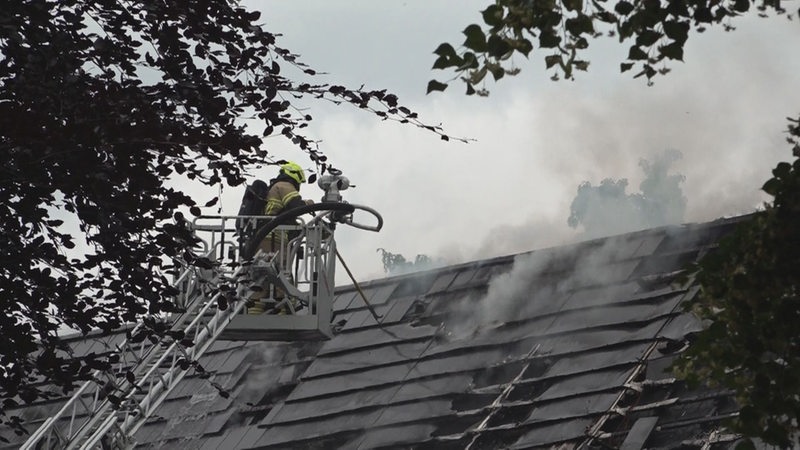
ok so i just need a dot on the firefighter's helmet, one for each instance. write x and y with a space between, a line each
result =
294 171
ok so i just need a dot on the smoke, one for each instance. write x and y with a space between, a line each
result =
607 209
260 383
540 282
508 291
510 190
509 239
602 210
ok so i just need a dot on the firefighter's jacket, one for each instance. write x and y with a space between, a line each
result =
282 196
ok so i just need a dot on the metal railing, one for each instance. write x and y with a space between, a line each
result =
108 410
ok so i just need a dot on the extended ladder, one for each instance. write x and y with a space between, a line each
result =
107 411
142 378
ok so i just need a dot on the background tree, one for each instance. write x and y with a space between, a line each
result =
560 30
103 105
397 264
607 208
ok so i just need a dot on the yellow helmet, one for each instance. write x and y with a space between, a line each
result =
294 171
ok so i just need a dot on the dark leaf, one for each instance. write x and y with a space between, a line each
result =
579 25
493 15
741 5
771 186
496 46
552 60
523 46
672 51
549 39
636 53
647 37
445 50
496 70
782 170
573 5
703 14
623 8
476 39
677 31
443 62
434 85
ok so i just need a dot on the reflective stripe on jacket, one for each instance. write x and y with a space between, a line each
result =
282 197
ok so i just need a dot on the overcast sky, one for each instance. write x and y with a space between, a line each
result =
536 140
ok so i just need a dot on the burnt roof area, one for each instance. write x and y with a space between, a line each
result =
559 348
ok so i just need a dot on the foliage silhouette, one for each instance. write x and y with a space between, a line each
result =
101 105
750 298
561 29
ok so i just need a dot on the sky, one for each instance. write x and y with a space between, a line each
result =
535 140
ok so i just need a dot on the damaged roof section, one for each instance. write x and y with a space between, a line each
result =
562 347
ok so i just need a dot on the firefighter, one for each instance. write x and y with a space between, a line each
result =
284 191
283 195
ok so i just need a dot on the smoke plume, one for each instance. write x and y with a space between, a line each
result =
607 209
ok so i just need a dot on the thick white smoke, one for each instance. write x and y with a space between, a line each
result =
540 281
608 209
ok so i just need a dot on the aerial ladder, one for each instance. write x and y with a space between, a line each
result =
106 411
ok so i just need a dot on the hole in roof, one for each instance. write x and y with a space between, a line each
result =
662 264
700 411
454 307
654 393
470 401
443 444
457 424
510 415
615 423
271 398
629 398
661 280
613 440
500 374
662 437
341 440
529 391
658 368
670 346
496 439
537 367
416 310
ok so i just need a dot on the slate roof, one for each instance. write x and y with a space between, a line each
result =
557 348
